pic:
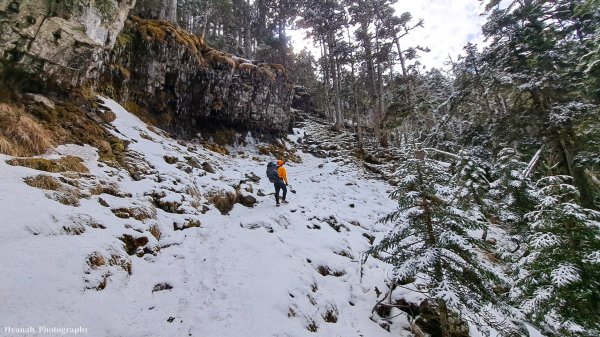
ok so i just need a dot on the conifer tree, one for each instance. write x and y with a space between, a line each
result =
558 284
474 188
512 191
432 240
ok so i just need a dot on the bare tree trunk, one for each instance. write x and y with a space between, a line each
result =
383 136
171 11
205 23
325 69
367 46
339 120
247 34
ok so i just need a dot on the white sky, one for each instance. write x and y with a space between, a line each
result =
449 25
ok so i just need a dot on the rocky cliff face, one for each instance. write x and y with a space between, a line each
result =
62 42
154 68
184 85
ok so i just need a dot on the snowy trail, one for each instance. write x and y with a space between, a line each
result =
261 271
262 267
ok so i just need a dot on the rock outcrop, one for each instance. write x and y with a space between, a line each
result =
156 70
183 85
302 100
61 42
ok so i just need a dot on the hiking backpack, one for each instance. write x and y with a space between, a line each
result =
272 172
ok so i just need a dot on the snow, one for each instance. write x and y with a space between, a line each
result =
251 272
565 274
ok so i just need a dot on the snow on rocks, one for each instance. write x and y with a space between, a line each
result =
153 255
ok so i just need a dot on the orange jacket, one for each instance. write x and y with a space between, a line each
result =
282 174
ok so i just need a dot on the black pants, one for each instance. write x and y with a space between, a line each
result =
280 185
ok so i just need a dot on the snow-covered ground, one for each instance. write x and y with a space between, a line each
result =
253 272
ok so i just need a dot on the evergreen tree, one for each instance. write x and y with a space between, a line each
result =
473 190
432 240
511 191
558 284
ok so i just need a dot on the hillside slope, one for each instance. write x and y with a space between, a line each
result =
148 255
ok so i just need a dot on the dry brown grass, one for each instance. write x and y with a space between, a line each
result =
224 200
21 134
35 129
155 231
73 163
6 147
190 223
196 195
280 69
74 229
267 71
107 116
68 197
68 163
163 31
96 260
44 182
40 164
138 213
247 67
110 189
30 135
120 261
215 57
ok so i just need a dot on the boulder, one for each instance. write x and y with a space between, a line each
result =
252 177
247 200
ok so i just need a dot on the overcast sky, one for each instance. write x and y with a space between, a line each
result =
449 25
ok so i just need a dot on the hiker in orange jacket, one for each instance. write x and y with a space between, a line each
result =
282 183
